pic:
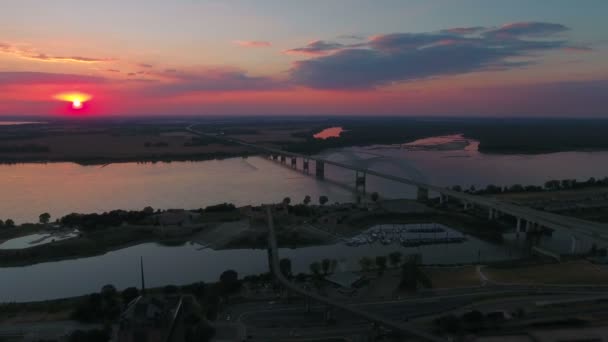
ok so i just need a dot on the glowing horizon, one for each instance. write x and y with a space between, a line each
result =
400 58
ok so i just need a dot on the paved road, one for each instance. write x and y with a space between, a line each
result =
44 330
267 322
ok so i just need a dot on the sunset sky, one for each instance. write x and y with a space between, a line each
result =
318 57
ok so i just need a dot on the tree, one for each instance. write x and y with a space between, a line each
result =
323 199
108 291
457 188
148 210
516 188
44 218
334 265
395 258
1 223
325 265
366 263
9 223
315 268
375 197
170 290
286 201
381 263
552 185
129 294
408 276
229 282
285 267
307 200
198 289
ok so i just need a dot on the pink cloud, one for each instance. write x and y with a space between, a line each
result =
253 43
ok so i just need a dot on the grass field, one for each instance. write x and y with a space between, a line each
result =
573 272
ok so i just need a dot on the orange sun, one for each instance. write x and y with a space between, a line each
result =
76 98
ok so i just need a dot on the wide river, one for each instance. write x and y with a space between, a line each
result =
62 188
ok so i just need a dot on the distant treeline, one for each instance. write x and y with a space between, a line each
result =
494 135
116 218
551 185
26 148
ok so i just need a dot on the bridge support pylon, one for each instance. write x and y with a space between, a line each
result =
360 182
320 169
573 246
422 194
282 159
518 228
294 161
305 166
327 314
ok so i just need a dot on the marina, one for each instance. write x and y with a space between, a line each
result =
408 235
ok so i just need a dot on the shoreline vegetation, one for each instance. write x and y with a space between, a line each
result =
102 142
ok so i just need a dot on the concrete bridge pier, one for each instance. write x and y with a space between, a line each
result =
305 165
529 225
518 228
282 159
375 332
327 314
492 214
294 160
320 169
360 182
573 246
422 195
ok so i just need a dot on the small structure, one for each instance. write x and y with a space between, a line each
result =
147 319
346 280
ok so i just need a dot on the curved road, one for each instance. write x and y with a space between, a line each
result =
394 325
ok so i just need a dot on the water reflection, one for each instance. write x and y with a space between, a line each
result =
188 263
332 132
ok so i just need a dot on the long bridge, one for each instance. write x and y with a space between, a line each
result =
527 218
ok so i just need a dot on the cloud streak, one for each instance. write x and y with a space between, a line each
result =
316 48
252 43
39 56
212 80
10 78
398 57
